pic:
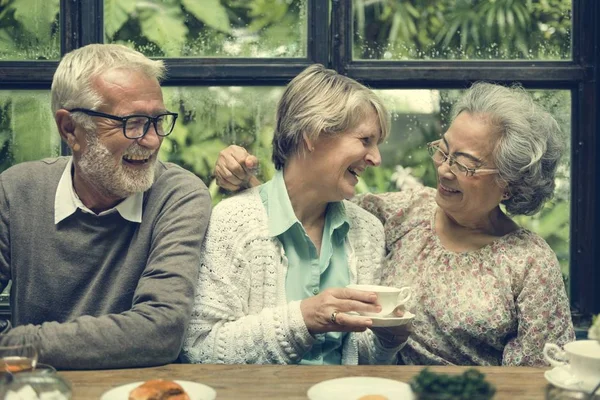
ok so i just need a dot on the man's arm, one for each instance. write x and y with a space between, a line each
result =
151 332
4 249
4 239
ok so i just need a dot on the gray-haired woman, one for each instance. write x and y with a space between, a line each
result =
486 292
277 258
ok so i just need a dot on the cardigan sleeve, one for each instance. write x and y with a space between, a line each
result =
224 329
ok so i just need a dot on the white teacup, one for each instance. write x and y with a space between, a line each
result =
388 297
583 356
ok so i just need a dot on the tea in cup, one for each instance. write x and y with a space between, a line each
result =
583 357
387 297
17 354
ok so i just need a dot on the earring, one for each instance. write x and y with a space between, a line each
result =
75 147
505 196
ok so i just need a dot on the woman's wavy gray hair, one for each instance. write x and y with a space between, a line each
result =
321 101
529 147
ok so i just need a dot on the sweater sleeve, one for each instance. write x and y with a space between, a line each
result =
233 283
4 239
151 332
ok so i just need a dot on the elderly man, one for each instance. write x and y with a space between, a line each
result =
103 247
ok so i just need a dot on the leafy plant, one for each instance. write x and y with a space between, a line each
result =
470 385
176 28
462 29
29 30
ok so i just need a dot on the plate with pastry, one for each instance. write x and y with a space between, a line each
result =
161 389
360 388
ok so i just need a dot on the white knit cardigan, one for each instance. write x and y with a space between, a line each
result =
241 314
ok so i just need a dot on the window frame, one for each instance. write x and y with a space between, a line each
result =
81 23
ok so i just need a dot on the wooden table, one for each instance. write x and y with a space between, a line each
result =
290 382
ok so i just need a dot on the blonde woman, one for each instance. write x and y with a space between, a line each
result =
277 258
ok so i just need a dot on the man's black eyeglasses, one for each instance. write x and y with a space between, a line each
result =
137 125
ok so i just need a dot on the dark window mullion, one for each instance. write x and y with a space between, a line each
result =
318 50
92 21
241 71
446 74
82 22
585 186
341 35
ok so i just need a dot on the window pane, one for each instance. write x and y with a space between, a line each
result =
27 128
208 28
421 116
29 30
211 118
462 30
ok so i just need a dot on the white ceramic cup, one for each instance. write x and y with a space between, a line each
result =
583 356
388 297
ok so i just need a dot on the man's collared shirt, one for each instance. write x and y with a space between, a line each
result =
67 202
308 272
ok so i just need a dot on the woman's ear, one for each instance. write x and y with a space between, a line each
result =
506 191
66 128
308 143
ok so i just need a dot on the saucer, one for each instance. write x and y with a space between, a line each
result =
561 377
355 387
383 322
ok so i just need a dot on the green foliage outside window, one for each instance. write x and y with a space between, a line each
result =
213 28
462 29
212 118
29 30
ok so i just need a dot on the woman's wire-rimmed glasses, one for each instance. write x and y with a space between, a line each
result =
137 125
456 167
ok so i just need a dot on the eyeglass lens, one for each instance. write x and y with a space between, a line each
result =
136 127
440 157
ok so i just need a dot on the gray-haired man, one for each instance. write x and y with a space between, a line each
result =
103 247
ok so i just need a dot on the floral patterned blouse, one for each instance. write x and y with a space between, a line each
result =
497 305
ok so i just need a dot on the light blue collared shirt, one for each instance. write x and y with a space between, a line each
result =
308 272
66 201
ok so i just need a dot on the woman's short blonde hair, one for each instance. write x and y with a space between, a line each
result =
72 83
321 101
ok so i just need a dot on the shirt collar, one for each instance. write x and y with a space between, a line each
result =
66 201
279 207
281 213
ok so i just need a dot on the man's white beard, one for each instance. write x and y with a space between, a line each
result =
97 166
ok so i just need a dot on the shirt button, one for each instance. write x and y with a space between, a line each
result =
315 291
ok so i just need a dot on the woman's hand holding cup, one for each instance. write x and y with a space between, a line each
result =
327 311
392 301
389 298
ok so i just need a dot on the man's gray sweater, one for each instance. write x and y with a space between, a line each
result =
101 292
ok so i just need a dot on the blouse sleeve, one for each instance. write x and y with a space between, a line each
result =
384 205
542 308
222 330
399 212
